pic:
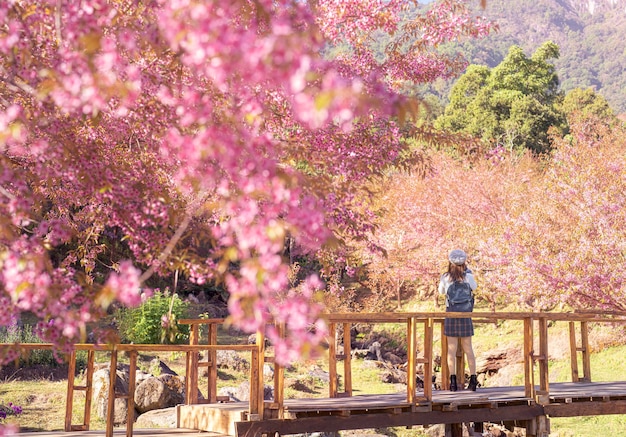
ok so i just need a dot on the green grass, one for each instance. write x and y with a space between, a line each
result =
43 405
607 364
592 426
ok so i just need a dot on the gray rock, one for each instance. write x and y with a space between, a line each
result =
158 367
100 398
394 376
165 418
320 374
393 358
242 393
231 392
374 352
159 392
231 360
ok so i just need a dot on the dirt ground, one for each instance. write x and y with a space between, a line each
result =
33 372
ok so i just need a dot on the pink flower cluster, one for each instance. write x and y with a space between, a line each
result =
300 312
125 285
8 430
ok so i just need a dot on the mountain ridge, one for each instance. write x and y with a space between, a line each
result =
591 35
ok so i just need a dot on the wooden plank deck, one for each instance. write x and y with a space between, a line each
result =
571 391
369 411
364 411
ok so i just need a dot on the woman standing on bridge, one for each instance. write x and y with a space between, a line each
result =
458 285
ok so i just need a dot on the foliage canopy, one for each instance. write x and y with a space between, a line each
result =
512 104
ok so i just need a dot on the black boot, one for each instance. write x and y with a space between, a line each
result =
473 383
453 386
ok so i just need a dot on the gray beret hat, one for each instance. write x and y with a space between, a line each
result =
458 257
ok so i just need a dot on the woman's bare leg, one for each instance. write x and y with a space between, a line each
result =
466 342
452 346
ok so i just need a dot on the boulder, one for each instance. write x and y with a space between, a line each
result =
252 340
393 358
158 367
319 373
371 364
374 352
242 393
159 392
231 392
231 360
435 430
359 353
165 418
500 367
394 376
100 398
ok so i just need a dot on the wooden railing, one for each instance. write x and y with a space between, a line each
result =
132 350
534 326
194 363
535 346
420 334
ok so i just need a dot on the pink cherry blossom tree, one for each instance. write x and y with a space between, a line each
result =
541 233
140 138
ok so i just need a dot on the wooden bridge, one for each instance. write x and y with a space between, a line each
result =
528 406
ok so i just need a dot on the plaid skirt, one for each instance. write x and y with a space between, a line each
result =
458 327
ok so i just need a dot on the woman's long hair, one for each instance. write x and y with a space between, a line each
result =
456 272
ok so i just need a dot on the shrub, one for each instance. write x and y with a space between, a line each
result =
154 321
25 334
37 357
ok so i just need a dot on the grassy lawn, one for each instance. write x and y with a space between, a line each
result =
592 426
43 405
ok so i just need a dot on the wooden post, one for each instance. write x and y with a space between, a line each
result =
130 418
188 374
538 427
529 375
584 338
445 370
543 358
212 369
347 359
111 399
573 347
69 400
279 379
260 400
428 358
411 376
89 388
332 360
254 384
453 430
192 367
